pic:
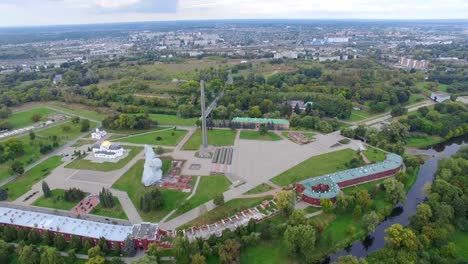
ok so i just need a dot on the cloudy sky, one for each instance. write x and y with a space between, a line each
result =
53 12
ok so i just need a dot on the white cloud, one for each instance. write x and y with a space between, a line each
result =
33 12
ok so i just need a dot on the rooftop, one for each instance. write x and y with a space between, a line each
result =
331 180
260 120
74 226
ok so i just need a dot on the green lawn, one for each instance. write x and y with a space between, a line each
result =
23 184
255 135
116 212
208 188
31 149
273 252
173 120
83 164
460 239
414 98
228 209
358 115
216 137
374 155
130 182
56 201
316 166
167 137
83 142
23 119
81 111
74 132
260 189
422 141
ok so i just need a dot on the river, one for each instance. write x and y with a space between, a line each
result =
401 214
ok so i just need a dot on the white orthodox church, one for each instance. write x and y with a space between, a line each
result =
107 150
98 134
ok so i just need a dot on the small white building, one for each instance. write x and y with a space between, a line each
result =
98 134
107 150
440 97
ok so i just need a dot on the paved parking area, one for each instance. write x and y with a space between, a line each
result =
259 161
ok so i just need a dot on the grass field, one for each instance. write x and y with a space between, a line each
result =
31 149
168 137
273 252
358 115
116 212
83 164
56 201
216 137
130 182
228 209
24 183
23 119
260 189
208 188
83 142
173 120
374 155
255 135
81 110
75 131
316 166
423 141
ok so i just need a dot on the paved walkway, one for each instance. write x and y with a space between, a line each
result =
88 181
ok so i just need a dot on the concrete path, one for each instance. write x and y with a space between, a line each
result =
128 207
313 214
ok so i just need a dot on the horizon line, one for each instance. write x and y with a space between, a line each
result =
237 19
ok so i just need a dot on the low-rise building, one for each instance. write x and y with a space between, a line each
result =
440 97
98 134
142 234
329 186
255 123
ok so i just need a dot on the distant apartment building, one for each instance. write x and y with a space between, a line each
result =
288 54
337 40
413 64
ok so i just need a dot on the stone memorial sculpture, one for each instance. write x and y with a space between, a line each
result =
152 172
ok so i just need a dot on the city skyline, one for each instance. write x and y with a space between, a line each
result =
63 12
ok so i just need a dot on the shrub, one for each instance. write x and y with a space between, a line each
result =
219 200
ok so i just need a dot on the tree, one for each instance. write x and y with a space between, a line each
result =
255 112
96 260
151 201
399 237
102 243
146 259
297 218
219 200
357 212
327 205
398 111
285 201
3 194
350 231
66 128
395 191
59 242
181 249
422 216
198 259
87 245
50 256
153 250
363 198
5 252
370 221
25 255
46 189
36 118
350 259
17 167
95 251
72 255
75 119
106 198
85 125
129 247
32 135
297 110
229 252
34 237
300 239
263 130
